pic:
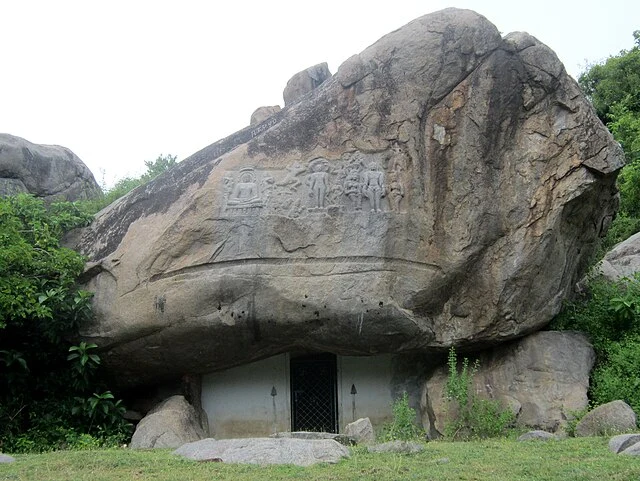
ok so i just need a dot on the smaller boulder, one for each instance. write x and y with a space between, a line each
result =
50 172
537 436
301 452
361 430
398 447
623 260
611 418
304 82
5 459
263 113
633 450
170 424
621 442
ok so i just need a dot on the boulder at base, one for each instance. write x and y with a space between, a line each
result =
610 418
623 260
444 188
171 424
361 430
48 171
542 378
301 452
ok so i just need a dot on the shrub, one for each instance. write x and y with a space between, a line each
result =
618 375
403 427
610 316
468 415
41 308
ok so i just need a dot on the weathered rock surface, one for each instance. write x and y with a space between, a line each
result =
361 430
633 450
443 188
621 442
301 452
340 438
263 113
304 82
541 378
623 260
48 171
610 418
171 424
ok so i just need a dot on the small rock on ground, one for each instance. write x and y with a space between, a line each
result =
4 458
619 443
537 435
401 447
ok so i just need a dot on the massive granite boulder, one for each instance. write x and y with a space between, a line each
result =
444 187
48 171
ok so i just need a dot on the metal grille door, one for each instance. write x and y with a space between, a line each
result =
313 394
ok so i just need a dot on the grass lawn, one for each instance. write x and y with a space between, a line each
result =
569 459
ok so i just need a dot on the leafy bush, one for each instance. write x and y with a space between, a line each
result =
610 316
468 415
403 427
607 313
618 376
40 310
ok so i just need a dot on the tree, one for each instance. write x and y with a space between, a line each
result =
127 184
614 89
41 308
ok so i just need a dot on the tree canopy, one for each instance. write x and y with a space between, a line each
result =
614 89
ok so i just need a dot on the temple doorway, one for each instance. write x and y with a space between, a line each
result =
314 393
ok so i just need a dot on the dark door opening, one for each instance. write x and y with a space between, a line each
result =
314 400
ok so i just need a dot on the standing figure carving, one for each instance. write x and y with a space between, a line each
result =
352 188
373 186
396 191
318 182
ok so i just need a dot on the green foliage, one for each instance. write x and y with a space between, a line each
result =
40 309
403 427
620 229
470 416
608 313
610 316
618 377
614 89
127 184
573 418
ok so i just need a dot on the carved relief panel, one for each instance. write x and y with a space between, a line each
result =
357 182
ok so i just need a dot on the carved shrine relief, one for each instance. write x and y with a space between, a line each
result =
357 182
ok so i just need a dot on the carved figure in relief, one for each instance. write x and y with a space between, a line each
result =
318 182
291 178
396 191
398 160
373 186
245 192
352 188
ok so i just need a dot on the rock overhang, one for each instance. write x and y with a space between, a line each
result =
442 188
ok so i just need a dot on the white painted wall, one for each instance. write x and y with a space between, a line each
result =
238 401
372 379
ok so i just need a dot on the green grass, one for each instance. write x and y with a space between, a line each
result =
569 459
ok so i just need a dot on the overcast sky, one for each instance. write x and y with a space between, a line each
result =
121 82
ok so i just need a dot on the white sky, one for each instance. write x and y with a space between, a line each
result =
121 82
